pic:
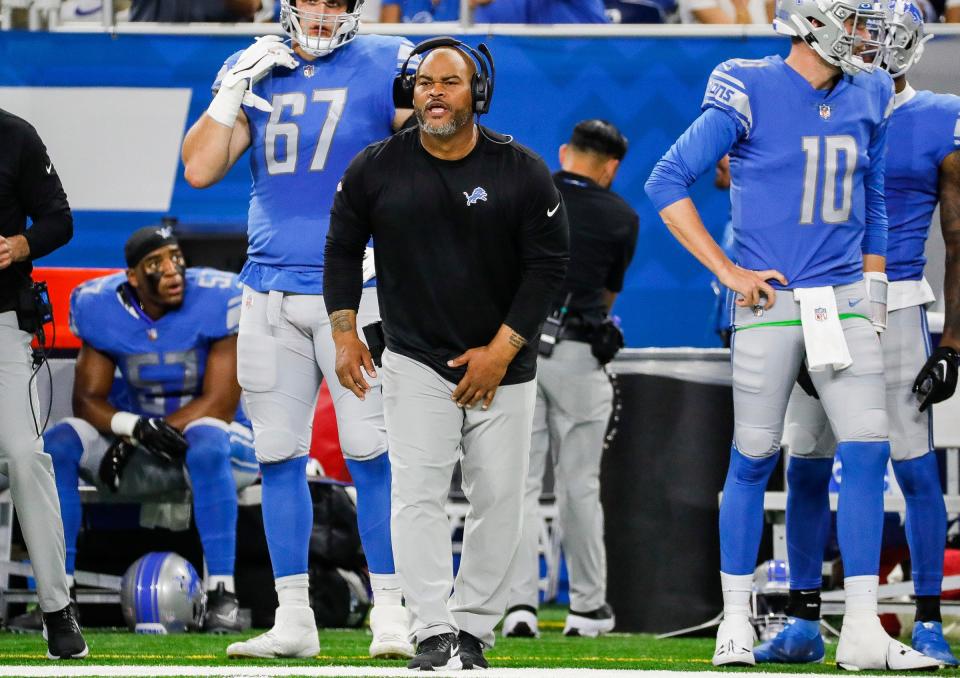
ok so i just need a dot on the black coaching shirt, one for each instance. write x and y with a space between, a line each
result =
603 237
29 187
462 247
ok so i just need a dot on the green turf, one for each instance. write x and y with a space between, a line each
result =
349 647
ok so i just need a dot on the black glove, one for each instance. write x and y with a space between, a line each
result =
806 383
114 462
937 379
161 439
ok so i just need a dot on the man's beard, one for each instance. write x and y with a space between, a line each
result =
458 120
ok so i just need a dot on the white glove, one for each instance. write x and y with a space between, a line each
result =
369 267
236 87
876 284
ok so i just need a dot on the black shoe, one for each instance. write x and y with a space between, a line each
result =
32 621
64 640
437 652
471 652
223 612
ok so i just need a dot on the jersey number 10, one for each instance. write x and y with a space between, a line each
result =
833 147
290 131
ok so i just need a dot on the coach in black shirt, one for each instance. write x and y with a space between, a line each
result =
574 395
29 187
470 235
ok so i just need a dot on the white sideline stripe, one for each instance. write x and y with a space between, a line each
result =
62 669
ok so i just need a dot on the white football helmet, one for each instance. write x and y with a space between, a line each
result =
300 24
830 27
905 38
161 593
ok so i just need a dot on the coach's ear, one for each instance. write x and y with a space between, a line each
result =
563 154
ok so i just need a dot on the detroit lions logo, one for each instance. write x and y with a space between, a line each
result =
475 197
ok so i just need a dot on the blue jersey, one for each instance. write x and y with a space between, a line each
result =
806 169
425 11
324 112
161 362
924 129
567 12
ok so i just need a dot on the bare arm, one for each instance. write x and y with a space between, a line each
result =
685 224
390 14
244 9
874 263
93 377
952 15
211 149
608 299
950 226
712 15
221 392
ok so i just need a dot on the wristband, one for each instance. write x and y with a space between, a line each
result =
123 423
225 106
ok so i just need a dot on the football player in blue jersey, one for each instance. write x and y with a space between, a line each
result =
806 136
171 419
923 168
304 110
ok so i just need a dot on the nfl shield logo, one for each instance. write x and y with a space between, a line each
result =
825 111
820 313
309 70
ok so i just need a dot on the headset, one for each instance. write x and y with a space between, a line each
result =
481 84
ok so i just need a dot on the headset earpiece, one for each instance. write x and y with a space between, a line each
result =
481 84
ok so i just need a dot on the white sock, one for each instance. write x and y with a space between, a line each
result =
70 581
215 580
861 594
386 589
736 593
293 590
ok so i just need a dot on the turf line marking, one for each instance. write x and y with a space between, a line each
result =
79 669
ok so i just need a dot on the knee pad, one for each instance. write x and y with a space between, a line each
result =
361 441
65 441
256 362
866 426
208 443
273 445
756 442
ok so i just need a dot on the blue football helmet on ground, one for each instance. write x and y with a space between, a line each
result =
162 593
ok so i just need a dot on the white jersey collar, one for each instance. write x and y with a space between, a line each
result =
900 98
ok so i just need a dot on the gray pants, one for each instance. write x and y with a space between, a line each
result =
428 434
29 468
574 402
906 347
766 358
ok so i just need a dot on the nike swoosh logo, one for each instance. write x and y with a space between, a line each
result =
49 168
454 649
854 302
550 213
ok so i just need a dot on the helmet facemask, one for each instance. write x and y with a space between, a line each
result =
905 38
342 27
848 35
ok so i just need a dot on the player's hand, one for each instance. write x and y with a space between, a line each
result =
160 438
752 286
114 462
256 61
937 379
485 370
353 359
6 253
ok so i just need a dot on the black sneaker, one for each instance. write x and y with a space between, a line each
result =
32 621
223 612
437 652
64 640
471 652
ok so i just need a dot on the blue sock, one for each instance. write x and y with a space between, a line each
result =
65 449
741 512
860 508
372 480
287 515
808 520
926 521
214 496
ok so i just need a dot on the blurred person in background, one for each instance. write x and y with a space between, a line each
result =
193 10
574 394
419 11
726 11
640 11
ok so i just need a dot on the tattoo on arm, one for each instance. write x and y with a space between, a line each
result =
950 225
517 341
341 321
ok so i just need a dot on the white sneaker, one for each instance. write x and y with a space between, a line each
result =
520 622
735 639
294 634
590 624
865 645
390 625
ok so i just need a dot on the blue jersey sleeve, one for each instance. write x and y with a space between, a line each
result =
709 138
218 304
86 309
951 111
875 233
727 91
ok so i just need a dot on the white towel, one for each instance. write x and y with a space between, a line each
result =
822 332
